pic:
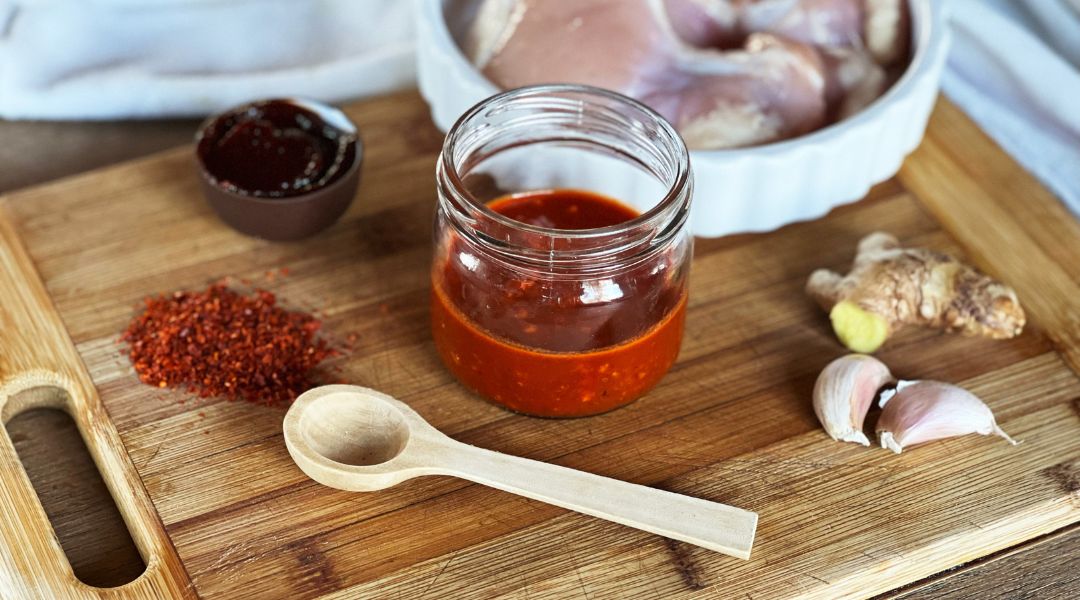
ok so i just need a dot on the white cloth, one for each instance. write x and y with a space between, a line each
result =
99 59
1015 68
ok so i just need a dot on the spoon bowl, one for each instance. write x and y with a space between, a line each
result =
357 439
356 430
353 438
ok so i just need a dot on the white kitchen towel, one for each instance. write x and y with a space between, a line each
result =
1015 68
101 59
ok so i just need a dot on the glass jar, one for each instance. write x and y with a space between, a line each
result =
550 321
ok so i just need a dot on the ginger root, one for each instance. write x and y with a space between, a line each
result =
890 286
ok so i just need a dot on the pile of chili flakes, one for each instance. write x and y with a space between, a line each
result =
219 342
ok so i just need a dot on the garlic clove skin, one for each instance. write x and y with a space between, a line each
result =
887 394
844 391
923 411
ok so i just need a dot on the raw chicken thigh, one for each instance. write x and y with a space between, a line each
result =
725 23
772 89
840 30
617 44
726 73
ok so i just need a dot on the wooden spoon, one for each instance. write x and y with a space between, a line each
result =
357 439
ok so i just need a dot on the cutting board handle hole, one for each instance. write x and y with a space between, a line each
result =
73 494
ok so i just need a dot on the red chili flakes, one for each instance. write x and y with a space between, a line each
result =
219 342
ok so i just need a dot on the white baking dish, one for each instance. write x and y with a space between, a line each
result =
749 189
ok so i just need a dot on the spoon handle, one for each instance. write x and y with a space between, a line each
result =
707 524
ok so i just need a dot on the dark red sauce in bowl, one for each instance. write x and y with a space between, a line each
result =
279 169
275 149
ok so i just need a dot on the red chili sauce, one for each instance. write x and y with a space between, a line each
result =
275 149
551 347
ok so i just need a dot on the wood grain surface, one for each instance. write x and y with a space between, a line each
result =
40 368
87 523
731 423
39 151
1047 568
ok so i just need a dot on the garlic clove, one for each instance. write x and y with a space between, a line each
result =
844 391
887 394
923 411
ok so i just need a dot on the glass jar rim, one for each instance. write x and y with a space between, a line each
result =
675 195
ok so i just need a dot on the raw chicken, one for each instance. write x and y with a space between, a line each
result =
858 39
768 90
616 44
887 31
726 73
773 89
726 23
879 26
852 80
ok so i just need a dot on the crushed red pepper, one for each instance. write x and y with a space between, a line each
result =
219 342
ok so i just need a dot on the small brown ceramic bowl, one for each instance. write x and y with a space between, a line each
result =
304 211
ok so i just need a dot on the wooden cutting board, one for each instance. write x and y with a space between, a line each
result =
732 422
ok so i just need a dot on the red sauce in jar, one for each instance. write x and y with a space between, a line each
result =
275 149
551 347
